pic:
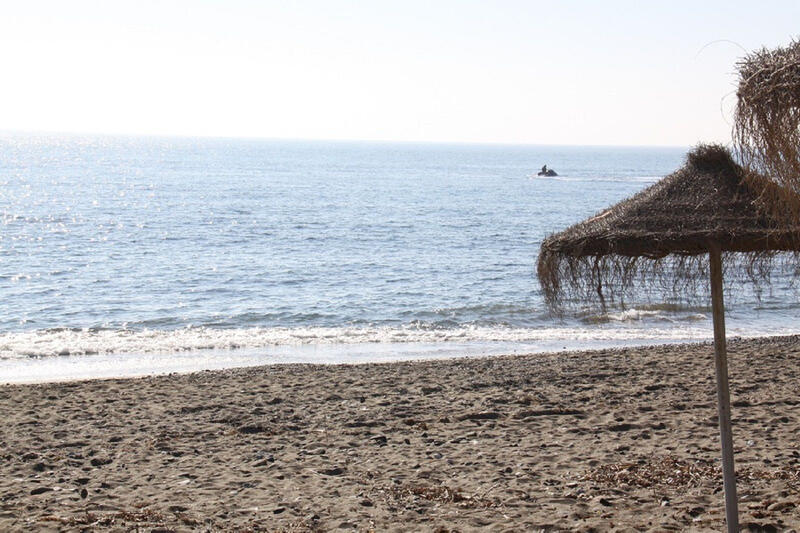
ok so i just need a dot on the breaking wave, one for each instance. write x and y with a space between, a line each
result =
63 342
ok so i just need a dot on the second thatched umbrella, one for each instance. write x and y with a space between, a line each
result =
676 230
767 122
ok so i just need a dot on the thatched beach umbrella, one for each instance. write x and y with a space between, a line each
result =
767 120
676 230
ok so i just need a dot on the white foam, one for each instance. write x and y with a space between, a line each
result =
59 355
635 314
73 367
596 179
44 343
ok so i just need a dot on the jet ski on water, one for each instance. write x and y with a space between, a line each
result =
547 172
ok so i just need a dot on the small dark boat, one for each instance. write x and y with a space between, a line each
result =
547 172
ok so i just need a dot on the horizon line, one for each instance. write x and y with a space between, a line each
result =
14 132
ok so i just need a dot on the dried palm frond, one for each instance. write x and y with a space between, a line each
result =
658 240
767 125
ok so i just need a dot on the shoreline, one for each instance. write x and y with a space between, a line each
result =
611 439
81 367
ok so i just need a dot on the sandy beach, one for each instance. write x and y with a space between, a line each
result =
610 440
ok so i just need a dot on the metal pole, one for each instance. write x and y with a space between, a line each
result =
723 394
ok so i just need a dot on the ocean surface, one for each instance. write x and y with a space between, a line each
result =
125 255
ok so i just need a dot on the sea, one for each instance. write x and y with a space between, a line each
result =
125 256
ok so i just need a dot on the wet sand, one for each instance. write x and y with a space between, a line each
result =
611 440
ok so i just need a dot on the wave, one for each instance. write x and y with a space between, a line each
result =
670 313
599 179
63 342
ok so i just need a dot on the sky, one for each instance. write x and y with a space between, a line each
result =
484 71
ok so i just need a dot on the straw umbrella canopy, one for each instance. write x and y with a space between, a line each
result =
677 229
767 121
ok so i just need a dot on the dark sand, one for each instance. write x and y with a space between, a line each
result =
614 440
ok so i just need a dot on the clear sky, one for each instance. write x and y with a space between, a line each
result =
506 71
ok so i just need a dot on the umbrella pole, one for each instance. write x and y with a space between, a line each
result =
723 393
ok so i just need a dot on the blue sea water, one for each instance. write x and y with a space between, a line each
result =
143 252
